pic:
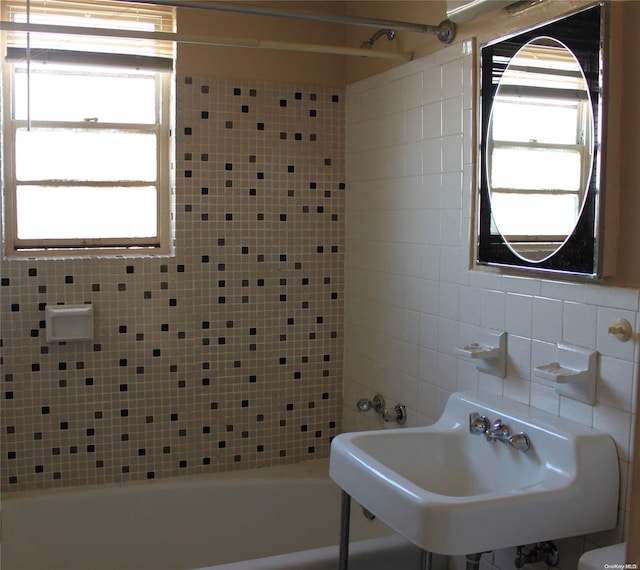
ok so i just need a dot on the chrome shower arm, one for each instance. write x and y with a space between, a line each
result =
368 44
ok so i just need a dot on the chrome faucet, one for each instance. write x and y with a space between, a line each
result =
479 425
398 414
498 432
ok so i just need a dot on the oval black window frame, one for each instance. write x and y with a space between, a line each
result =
582 33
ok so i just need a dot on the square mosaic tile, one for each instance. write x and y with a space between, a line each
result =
227 355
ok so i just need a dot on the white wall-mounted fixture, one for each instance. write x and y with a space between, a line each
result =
489 352
574 374
65 323
621 329
459 11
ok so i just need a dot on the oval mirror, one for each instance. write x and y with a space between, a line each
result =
539 148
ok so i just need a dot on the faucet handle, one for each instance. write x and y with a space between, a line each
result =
478 424
520 441
498 424
377 404
398 415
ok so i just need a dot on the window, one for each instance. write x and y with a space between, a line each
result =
86 139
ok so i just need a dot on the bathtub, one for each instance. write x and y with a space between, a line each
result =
270 518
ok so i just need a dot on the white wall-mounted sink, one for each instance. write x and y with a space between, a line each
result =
453 492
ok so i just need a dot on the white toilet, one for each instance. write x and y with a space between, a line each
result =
612 557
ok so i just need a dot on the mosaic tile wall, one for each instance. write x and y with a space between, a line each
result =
226 356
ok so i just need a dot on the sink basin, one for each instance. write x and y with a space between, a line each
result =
453 492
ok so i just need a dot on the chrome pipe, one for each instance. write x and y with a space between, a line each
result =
445 30
426 560
473 561
345 520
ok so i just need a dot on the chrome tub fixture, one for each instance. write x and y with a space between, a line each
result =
398 414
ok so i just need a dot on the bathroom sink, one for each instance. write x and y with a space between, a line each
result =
452 492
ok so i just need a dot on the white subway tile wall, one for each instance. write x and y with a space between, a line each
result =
228 355
424 288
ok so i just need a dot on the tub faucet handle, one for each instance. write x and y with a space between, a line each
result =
398 415
377 404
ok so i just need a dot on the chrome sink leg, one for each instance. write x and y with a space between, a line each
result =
425 560
473 561
345 517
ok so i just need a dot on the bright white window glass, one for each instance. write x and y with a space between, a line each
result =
519 121
536 169
86 213
59 94
535 214
59 154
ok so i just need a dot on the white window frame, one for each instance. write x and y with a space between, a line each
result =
161 244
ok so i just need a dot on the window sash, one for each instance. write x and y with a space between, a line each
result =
158 244
579 152
577 141
109 222
75 144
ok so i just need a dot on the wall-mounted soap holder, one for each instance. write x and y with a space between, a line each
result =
490 352
65 323
574 374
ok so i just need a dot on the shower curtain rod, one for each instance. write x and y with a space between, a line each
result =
445 31
214 41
